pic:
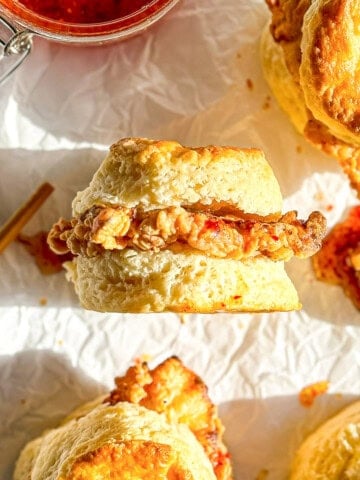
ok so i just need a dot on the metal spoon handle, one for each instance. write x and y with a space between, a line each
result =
15 46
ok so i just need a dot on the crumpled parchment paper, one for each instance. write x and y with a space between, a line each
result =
195 77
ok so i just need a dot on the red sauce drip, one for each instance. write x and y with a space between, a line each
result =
334 263
84 11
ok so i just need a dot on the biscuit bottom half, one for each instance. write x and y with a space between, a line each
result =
181 282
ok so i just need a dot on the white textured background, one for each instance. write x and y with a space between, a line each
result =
184 79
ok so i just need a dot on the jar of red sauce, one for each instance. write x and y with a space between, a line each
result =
84 22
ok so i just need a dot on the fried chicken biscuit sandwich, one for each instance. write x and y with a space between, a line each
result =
156 425
310 57
165 227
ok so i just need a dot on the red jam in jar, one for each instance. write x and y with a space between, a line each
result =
84 11
86 21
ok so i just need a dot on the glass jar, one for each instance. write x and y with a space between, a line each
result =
19 24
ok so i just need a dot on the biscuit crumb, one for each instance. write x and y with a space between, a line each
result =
43 301
183 317
308 394
267 104
249 84
262 475
319 196
143 358
329 207
22 401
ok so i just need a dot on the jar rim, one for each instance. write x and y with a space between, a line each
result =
122 27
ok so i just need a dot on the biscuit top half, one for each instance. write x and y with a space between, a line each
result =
151 174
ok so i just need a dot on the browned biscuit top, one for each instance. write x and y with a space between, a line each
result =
320 56
334 62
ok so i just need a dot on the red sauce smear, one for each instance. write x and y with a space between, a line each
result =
46 260
84 11
212 224
338 261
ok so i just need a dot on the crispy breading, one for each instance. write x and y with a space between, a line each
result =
178 393
348 155
286 28
115 228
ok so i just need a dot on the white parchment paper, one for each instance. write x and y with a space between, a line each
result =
187 78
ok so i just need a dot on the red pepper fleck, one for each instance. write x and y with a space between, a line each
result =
212 224
249 84
222 457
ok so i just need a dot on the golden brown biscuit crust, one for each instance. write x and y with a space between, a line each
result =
320 45
333 49
135 459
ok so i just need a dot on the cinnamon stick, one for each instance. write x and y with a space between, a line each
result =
16 222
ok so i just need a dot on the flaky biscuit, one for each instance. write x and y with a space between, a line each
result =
157 423
286 90
329 70
332 452
180 282
115 441
158 173
313 72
